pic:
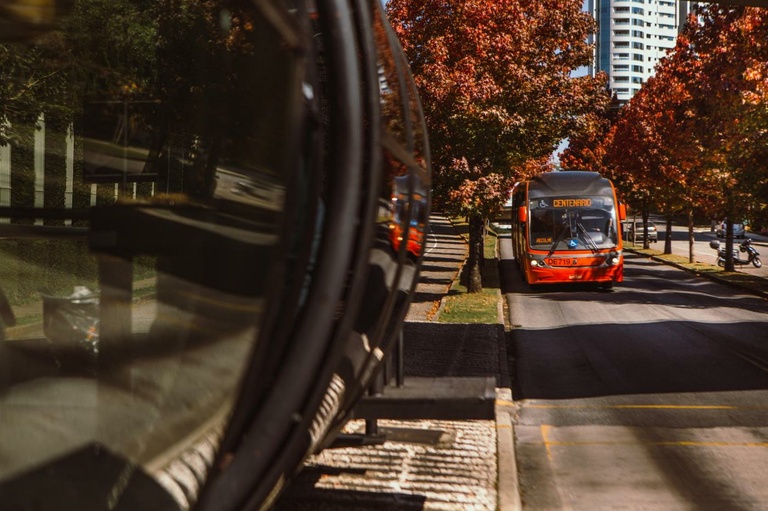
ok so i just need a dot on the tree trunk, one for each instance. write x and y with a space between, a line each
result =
690 236
729 266
476 254
668 236
646 215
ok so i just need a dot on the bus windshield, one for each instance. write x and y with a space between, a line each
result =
573 223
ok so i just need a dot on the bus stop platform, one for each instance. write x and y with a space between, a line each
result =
447 430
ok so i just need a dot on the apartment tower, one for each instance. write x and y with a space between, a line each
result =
632 36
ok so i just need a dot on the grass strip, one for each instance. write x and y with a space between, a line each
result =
459 306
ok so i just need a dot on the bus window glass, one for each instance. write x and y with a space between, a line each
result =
148 178
563 223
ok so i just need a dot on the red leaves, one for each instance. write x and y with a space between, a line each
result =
701 121
494 79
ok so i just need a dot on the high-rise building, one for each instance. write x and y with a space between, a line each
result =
632 36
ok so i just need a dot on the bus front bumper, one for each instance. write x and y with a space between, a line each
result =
548 275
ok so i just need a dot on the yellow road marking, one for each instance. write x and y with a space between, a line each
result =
545 435
548 443
644 407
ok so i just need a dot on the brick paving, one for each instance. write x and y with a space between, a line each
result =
429 465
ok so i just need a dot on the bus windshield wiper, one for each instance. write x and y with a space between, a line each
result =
588 238
560 237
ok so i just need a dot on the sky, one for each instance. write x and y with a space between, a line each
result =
582 71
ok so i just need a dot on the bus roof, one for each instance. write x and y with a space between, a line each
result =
568 183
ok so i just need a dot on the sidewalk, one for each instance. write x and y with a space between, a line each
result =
426 464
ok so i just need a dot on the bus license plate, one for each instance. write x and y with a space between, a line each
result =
561 262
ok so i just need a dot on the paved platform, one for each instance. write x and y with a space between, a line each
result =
425 464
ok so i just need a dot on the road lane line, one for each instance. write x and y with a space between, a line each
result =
544 435
557 443
642 407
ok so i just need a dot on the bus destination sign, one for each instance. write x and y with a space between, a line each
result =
572 203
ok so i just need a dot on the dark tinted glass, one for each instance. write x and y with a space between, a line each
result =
147 156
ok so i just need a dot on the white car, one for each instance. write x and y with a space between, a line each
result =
635 232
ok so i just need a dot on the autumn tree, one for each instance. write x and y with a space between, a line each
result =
586 148
654 157
495 80
632 156
694 138
730 49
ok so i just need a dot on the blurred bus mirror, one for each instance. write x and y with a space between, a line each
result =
522 214
622 211
22 20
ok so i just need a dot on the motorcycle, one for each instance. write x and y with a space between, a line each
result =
745 246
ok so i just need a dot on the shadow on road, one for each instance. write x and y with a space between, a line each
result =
645 282
641 358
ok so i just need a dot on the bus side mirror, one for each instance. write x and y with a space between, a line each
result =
522 214
622 211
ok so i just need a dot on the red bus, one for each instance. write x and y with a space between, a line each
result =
567 229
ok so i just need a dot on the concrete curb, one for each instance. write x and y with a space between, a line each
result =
508 483
509 487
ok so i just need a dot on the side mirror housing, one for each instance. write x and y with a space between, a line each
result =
522 214
622 211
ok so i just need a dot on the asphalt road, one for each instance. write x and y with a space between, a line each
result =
651 396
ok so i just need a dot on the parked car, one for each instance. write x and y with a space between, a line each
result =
738 230
635 232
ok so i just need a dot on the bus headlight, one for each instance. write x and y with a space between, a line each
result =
534 263
614 260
